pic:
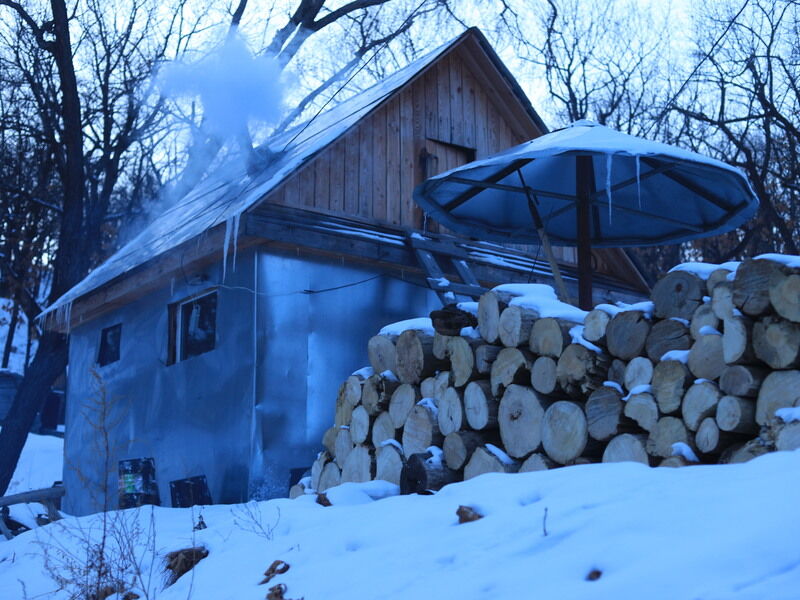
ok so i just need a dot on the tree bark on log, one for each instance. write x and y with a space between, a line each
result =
781 389
737 345
549 337
638 372
595 325
421 430
580 371
665 336
642 409
677 294
706 360
777 342
425 472
415 359
627 447
347 399
671 378
543 375
512 365
700 401
451 412
737 414
485 355
404 398
751 286
377 393
627 333
668 431
520 420
604 416
382 353
564 431
742 380
483 461
389 463
383 429
459 446
359 466
515 326
440 345
480 406
743 452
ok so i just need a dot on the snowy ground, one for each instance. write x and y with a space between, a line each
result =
703 532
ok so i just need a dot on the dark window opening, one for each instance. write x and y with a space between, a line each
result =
109 345
192 327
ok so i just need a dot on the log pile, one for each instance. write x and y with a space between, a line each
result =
695 375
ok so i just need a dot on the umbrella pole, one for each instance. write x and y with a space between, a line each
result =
561 289
584 183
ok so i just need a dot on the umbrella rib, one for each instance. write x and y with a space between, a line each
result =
692 187
632 180
474 191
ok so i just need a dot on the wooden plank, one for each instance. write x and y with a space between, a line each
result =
431 122
393 162
322 183
277 196
306 177
481 124
412 108
378 173
469 85
337 170
40 495
443 98
365 168
291 190
456 101
351 172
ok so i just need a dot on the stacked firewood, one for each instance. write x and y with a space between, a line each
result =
695 375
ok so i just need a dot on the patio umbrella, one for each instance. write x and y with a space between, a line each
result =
590 186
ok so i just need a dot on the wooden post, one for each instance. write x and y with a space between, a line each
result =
584 185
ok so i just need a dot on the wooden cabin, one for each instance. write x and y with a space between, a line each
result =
214 342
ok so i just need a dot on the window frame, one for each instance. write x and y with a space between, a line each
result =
102 345
175 341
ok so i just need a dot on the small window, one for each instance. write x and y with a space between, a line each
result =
109 345
193 327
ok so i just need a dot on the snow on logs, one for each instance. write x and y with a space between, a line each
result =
699 371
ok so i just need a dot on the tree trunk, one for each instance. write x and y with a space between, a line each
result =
706 360
564 431
737 346
784 294
480 406
737 414
459 446
777 342
415 359
667 335
382 429
627 447
668 431
604 410
483 461
331 477
377 393
722 300
638 372
425 472
670 380
643 409
788 437
595 325
550 336
537 462
347 399
403 400
360 425
717 277
512 365
703 317
710 440
489 308
485 355
359 466
421 430
543 375
677 294
780 389
520 420
329 439
316 468
451 412
12 330
388 463
343 446
627 333
580 371
742 380
462 361
700 401
382 353
751 286
440 345
515 325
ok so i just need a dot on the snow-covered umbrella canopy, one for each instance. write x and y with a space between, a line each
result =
641 192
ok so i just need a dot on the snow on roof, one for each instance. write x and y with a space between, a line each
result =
229 192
